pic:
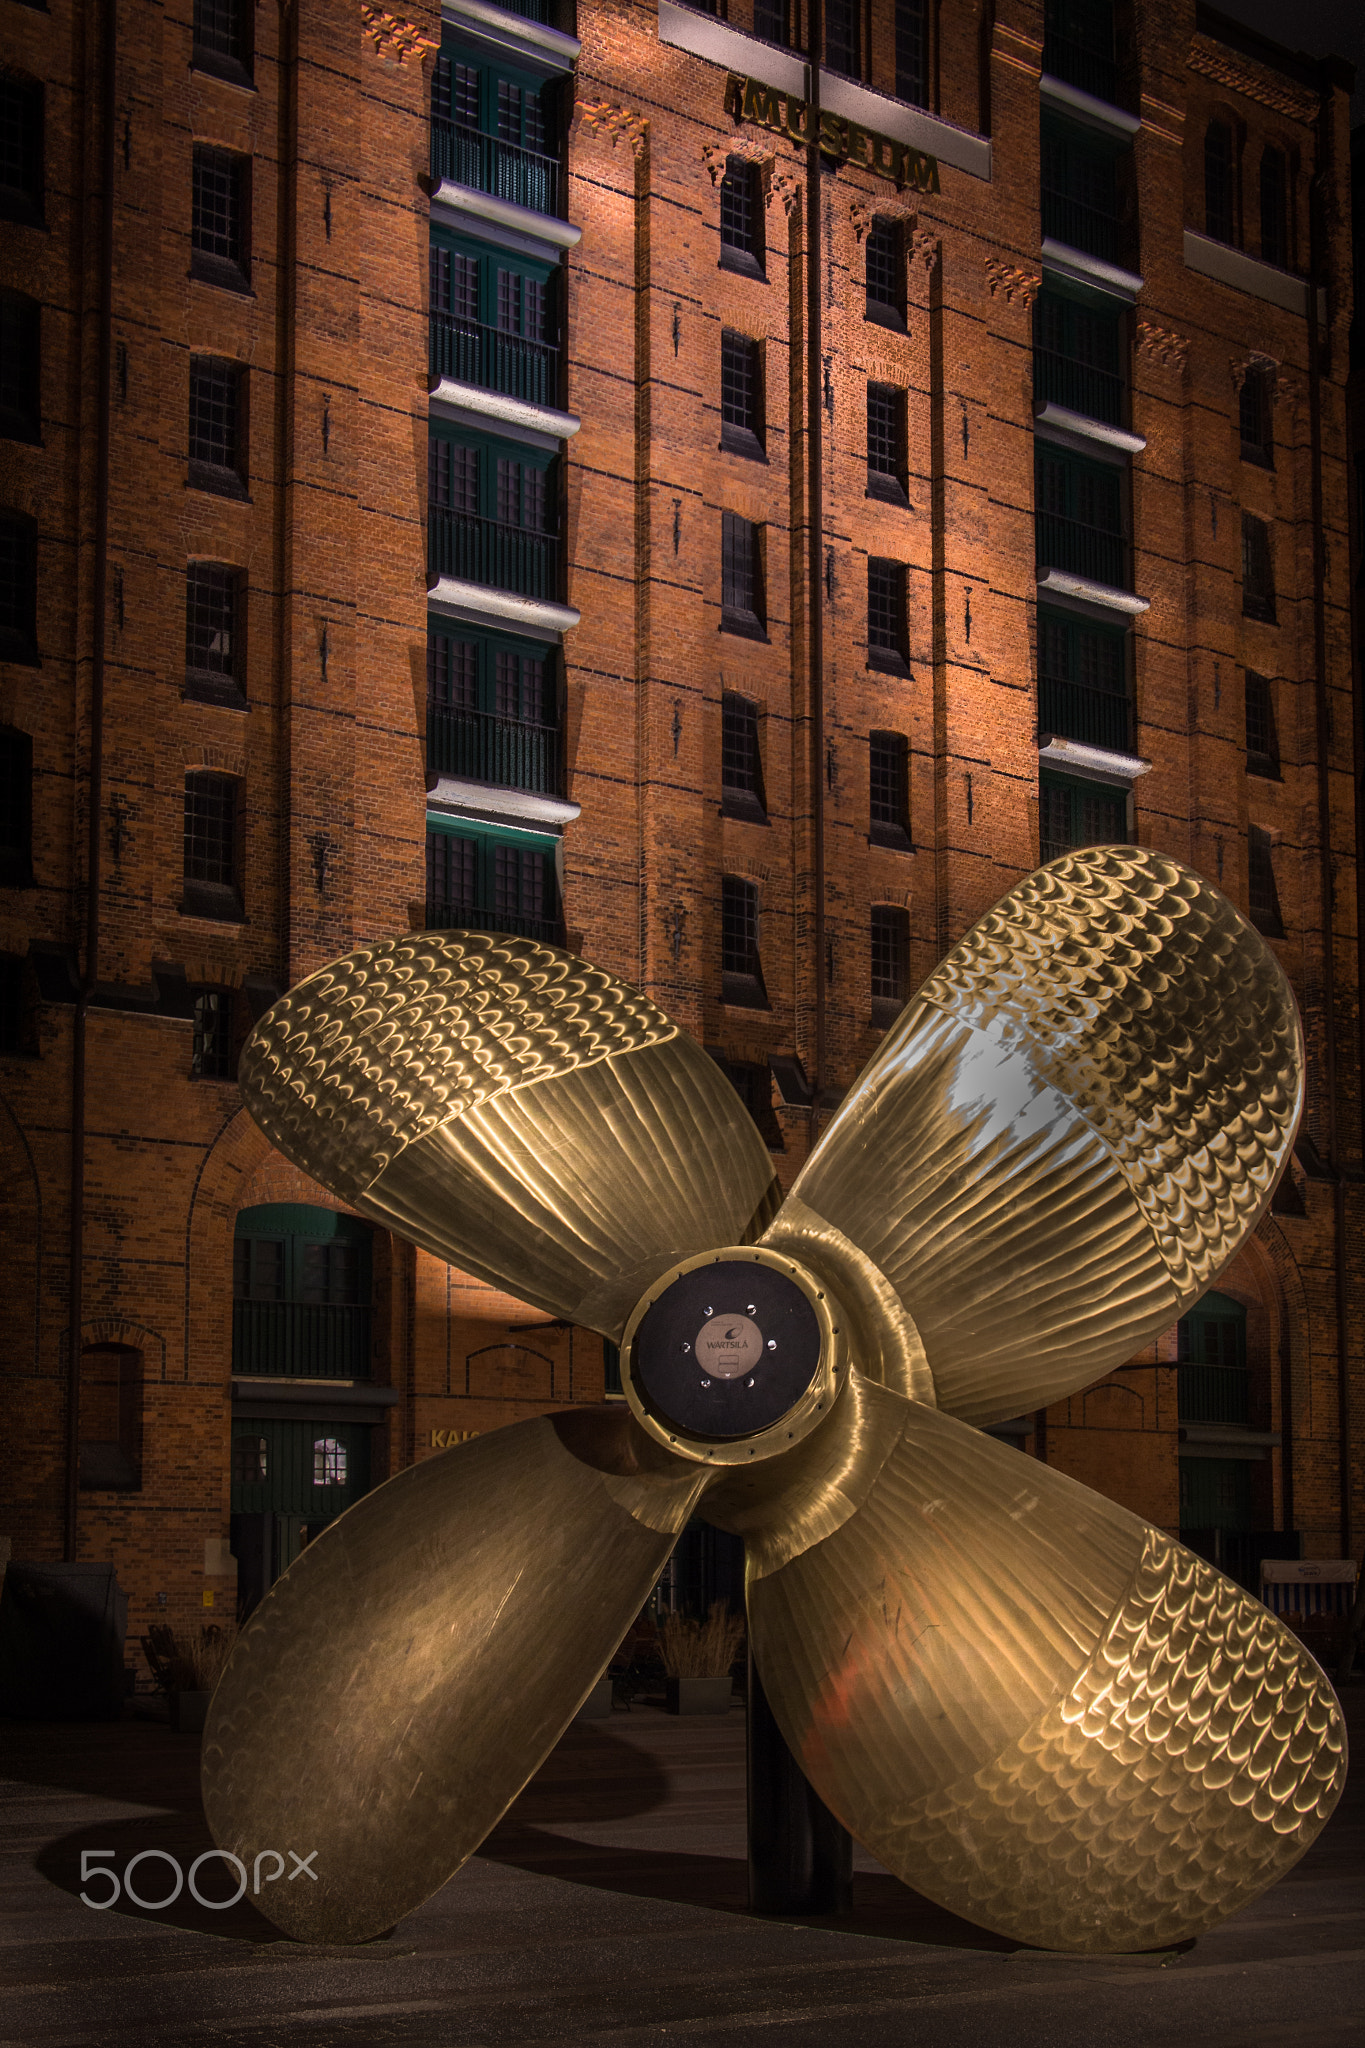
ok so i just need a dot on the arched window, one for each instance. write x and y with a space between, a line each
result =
1220 211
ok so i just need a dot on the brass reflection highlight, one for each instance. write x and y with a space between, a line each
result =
1030 1704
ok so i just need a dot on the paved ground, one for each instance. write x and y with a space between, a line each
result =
609 1909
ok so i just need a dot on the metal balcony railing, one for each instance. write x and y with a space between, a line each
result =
1082 550
316 1340
1060 380
1213 1393
1087 70
1077 711
531 10
474 354
479 746
1079 225
488 551
482 917
468 157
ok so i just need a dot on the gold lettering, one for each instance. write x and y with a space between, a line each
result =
834 136
883 156
858 141
762 105
734 97
748 99
798 119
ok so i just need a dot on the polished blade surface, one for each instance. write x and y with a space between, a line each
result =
1067 1134
519 1113
396 1689
1028 1704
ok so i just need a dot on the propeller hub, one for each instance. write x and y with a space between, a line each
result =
732 1356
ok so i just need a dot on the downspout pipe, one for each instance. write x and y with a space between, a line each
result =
95 797
815 490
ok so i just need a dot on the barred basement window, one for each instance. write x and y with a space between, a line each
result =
772 20
886 274
18 588
213 667
741 396
741 578
219 252
452 476
889 789
1275 208
215 437
1258 573
16 807
741 218
20 382
1219 194
912 52
222 39
212 844
1254 418
741 762
211 1056
741 976
886 443
887 646
21 148
1263 745
842 40
890 962
1263 898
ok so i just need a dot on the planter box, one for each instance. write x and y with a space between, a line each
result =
189 1710
698 1695
597 1706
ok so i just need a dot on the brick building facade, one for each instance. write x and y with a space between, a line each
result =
447 557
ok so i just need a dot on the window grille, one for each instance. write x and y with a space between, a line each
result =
16 807
741 764
1219 194
211 803
21 149
772 20
1258 574
211 1058
1263 899
890 960
912 52
886 636
1263 746
218 212
885 274
1080 192
329 1461
739 387
215 404
1083 683
1078 358
1254 417
741 967
889 787
222 38
18 588
741 216
842 41
886 440
212 596
1275 208
741 582
20 380
1078 45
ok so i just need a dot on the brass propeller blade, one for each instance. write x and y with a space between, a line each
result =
1067 1134
1030 1705
399 1685
519 1113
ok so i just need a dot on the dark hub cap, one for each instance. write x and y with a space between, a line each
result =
726 1350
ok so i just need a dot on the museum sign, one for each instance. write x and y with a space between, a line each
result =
748 99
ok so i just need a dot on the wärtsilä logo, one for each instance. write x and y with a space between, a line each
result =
729 1345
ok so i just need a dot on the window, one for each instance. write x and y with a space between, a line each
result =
521 495
222 39
1263 745
1258 573
21 148
213 661
741 577
452 475
493 321
741 395
1078 358
741 971
886 274
753 1083
912 51
842 40
250 1460
301 1287
219 214
1079 523
216 410
1219 189
491 130
887 645
455 91
1080 179
16 808
15 1025
1078 45
491 713
20 394
452 880
18 589
1274 208
1211 1362
211 1055
454 284
741 218
889 789
1263 899
890 961
212 846
491 884
772 20
1083 683
1215 1493
520 116
886 443
1255 418
329 1461
110 1454
1072 813
741 760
